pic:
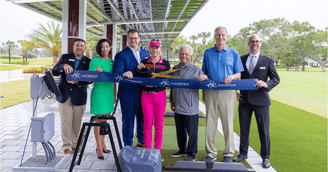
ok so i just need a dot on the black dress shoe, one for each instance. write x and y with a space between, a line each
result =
266 163
240 157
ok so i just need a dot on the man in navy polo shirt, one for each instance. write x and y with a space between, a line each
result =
220 63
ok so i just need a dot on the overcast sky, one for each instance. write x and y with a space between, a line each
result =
17 22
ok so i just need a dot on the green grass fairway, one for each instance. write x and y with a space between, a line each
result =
38 61
8 67
303 90
14 92
298 139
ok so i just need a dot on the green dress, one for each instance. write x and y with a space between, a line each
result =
102 95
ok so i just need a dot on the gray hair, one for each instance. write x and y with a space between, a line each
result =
220 27
186 46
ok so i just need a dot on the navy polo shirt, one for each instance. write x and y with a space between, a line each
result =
218 64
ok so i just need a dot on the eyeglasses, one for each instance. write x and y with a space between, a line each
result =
133 38
252 42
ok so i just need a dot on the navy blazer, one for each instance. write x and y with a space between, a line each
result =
125 61
263 70
78 92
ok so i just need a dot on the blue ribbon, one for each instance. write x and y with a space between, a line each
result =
92 76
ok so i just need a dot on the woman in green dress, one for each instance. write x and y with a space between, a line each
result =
103 93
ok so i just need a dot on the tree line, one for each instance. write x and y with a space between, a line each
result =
289 43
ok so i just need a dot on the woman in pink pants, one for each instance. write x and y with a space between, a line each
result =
153 99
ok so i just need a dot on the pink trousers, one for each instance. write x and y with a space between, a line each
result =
153 108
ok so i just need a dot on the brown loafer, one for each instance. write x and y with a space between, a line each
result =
73 150
140 144
66 152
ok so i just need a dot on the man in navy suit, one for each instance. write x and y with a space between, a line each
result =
130 95
261 67
72 102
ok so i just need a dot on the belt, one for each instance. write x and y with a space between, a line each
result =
153 92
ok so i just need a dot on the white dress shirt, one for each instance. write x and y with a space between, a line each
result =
136 54
256 58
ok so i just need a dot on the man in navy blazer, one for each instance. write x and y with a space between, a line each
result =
130 95
261 67
72 102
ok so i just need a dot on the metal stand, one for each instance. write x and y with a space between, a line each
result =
84 138
42 130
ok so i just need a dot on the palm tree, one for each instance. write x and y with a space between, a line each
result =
91 43
9 45
27 45
204 35
193 38
50 39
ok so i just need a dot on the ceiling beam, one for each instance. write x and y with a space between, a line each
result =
95 7
135 13
117 11
166 13
94 33
36 9
181 12
151 14
138 22
29 1
165 38
59 10
150 32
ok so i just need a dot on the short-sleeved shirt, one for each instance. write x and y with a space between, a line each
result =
219 64
161 66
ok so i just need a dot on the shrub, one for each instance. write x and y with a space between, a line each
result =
36 69
11 57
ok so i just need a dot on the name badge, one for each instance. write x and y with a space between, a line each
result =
71 60
262 68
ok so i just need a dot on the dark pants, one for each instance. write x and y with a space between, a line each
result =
187 124
129 112
263 121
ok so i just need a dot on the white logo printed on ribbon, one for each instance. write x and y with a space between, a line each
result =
119 78
165 83
75 75
211 85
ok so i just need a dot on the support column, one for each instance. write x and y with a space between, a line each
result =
73 23
121 43
109 36
114 41
125 42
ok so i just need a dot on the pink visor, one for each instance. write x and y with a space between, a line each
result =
157 43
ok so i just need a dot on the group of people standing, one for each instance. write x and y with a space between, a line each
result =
147 104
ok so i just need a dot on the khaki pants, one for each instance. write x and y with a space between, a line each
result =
71 119
225 101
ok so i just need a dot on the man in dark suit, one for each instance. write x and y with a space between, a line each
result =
261 67
71 103
126 63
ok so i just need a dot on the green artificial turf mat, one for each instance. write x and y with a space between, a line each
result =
298 139
170 138
201 154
